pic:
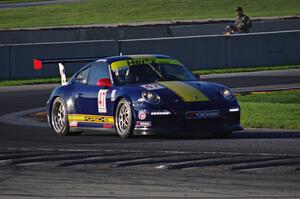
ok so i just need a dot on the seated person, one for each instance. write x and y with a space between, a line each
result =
242 23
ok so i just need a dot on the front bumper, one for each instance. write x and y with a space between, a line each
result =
178 123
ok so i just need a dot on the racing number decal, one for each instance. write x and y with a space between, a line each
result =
102 101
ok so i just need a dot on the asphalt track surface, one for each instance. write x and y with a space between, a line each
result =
250 164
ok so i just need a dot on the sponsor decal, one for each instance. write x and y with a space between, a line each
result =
73 124
142 115
108 126
143 124
151 87
90 118
142 61
202 114
113 95
102 101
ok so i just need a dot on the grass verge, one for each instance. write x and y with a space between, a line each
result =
18 1
122 11
29 81
276 110
243 69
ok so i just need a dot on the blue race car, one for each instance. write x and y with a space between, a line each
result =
141 94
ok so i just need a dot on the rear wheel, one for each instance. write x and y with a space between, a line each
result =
59 118
124 119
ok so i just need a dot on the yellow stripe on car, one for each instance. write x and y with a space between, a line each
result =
142 60
187 92
91 118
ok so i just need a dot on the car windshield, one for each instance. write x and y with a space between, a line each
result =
151 72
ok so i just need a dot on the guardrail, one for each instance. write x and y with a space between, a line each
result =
255 49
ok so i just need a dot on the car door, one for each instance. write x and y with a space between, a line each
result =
93 99
79 83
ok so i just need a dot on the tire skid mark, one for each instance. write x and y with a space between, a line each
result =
107 160
170 159
7 152
61 157
27 155
221 161
288 161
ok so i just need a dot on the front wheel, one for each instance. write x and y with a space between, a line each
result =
124 119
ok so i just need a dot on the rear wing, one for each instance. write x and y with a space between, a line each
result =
38 64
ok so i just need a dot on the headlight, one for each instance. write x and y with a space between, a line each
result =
150 97
227 94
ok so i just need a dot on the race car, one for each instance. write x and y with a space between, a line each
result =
141 94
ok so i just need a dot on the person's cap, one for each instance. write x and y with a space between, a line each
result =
239 9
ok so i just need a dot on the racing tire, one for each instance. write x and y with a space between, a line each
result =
124 119
59 119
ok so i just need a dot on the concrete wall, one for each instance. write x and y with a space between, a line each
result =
264 49
134 32
5 62
81 34
258 49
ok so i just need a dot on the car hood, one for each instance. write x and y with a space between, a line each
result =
192 91
187 91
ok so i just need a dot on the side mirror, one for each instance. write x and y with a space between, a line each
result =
105 82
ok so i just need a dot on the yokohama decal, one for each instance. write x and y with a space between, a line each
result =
102 101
